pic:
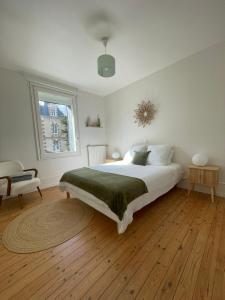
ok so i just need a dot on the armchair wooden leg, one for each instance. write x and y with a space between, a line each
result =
20 200
39 191
67 195
1 197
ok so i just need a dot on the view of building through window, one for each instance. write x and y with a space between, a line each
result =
56 127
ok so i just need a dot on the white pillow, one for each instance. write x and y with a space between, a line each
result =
128 157
160 155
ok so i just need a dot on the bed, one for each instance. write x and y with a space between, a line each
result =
158 179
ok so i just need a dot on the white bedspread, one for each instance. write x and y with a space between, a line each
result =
153 176
158 179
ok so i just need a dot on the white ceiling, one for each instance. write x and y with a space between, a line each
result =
55 38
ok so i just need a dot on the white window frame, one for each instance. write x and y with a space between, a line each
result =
71 94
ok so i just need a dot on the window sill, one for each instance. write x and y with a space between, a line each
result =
59 155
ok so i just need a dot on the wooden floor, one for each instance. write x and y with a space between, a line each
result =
174 249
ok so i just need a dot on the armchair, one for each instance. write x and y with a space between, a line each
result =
9 188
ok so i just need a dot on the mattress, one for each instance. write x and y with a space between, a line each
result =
153 176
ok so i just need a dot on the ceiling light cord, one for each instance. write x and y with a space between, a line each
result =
105 42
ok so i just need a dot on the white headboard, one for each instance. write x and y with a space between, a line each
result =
96 154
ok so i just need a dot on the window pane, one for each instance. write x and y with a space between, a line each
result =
57 125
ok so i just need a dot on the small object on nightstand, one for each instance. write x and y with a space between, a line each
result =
207 175
110 160
116 155
200 159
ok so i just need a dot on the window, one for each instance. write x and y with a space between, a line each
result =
55 128
55 121
56 146
52 110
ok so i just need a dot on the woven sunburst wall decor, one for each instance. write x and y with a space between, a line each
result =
144 113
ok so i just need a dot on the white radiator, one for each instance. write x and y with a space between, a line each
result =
96 154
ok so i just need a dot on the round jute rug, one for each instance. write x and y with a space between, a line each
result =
46 225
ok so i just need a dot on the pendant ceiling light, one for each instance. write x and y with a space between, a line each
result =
106 62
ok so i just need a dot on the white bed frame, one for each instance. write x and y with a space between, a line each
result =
132 207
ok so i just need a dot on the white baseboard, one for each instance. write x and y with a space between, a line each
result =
220 190
49 182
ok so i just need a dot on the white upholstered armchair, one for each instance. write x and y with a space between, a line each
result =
25 181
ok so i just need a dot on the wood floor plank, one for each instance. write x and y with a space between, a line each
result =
157 261
40 281
124 240
81 236
170 282
186 285
117 271
133 245
40 269
153 249
205 279
219 279
174 249
29 262
31 271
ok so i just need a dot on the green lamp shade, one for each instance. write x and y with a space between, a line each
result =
106 65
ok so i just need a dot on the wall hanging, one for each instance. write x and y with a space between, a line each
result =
93 122
144 113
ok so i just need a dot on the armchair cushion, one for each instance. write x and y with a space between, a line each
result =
21 176
20 187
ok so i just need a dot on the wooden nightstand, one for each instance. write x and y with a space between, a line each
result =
207 175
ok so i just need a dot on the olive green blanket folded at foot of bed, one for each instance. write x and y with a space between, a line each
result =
117 191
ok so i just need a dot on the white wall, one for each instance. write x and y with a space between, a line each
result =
17 139
190 98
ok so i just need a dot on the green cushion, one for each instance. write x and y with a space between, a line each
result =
140 158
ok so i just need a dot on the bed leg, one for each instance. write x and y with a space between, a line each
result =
67 195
